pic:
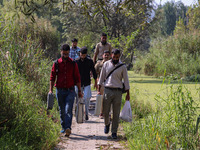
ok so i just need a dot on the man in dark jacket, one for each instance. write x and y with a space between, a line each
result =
86 65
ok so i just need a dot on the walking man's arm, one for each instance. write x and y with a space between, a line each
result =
51 86
126 83
79 90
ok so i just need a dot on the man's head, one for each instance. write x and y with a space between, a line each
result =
115 56
74 43
106 55
83 52
103 38
65 51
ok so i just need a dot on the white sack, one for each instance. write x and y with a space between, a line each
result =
126 113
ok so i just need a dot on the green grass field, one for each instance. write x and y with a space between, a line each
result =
164 113
145 88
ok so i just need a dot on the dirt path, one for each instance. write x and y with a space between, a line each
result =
89 135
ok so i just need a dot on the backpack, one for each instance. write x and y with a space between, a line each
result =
57 68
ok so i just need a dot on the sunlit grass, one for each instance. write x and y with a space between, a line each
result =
147 87
170 124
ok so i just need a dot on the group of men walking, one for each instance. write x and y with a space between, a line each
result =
73 72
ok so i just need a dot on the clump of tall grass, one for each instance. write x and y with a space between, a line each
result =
24 84
172 126
176 54
24 123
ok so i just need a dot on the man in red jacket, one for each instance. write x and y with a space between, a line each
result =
68 76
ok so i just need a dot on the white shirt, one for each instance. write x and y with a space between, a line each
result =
115 79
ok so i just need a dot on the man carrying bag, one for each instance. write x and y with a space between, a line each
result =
113 90
68 76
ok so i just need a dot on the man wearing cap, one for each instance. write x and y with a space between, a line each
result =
74 50
67 76
101 47
113 90
98 66
86 65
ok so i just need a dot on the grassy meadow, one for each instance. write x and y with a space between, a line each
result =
164 113
147 87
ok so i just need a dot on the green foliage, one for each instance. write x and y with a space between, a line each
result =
41 31
170 18
172 126
194 21
177 54
24 84
140 109
166 17
126 28
30 7
180 27
24 122
193 78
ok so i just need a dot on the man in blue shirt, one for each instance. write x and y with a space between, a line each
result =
74 50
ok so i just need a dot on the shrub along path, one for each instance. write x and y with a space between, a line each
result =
90 134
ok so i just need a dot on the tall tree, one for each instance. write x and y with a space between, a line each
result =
169 22
166 17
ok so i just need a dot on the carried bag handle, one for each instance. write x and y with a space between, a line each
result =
113 70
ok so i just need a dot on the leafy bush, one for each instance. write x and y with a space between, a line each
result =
24 84
193 78
177 55
42 31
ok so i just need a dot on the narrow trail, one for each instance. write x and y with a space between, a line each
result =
90 134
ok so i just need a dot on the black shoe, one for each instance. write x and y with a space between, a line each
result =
106 129
114 135
86 117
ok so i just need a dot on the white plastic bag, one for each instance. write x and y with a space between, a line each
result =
98 105
80 111
126 113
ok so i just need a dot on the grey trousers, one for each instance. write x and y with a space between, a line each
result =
112 96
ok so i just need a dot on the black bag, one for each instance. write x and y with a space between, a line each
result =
50 101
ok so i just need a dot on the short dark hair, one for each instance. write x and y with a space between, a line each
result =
115 51
106 51
65 47
104 34
74 40
84 50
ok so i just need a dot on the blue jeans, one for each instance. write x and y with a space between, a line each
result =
65 102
